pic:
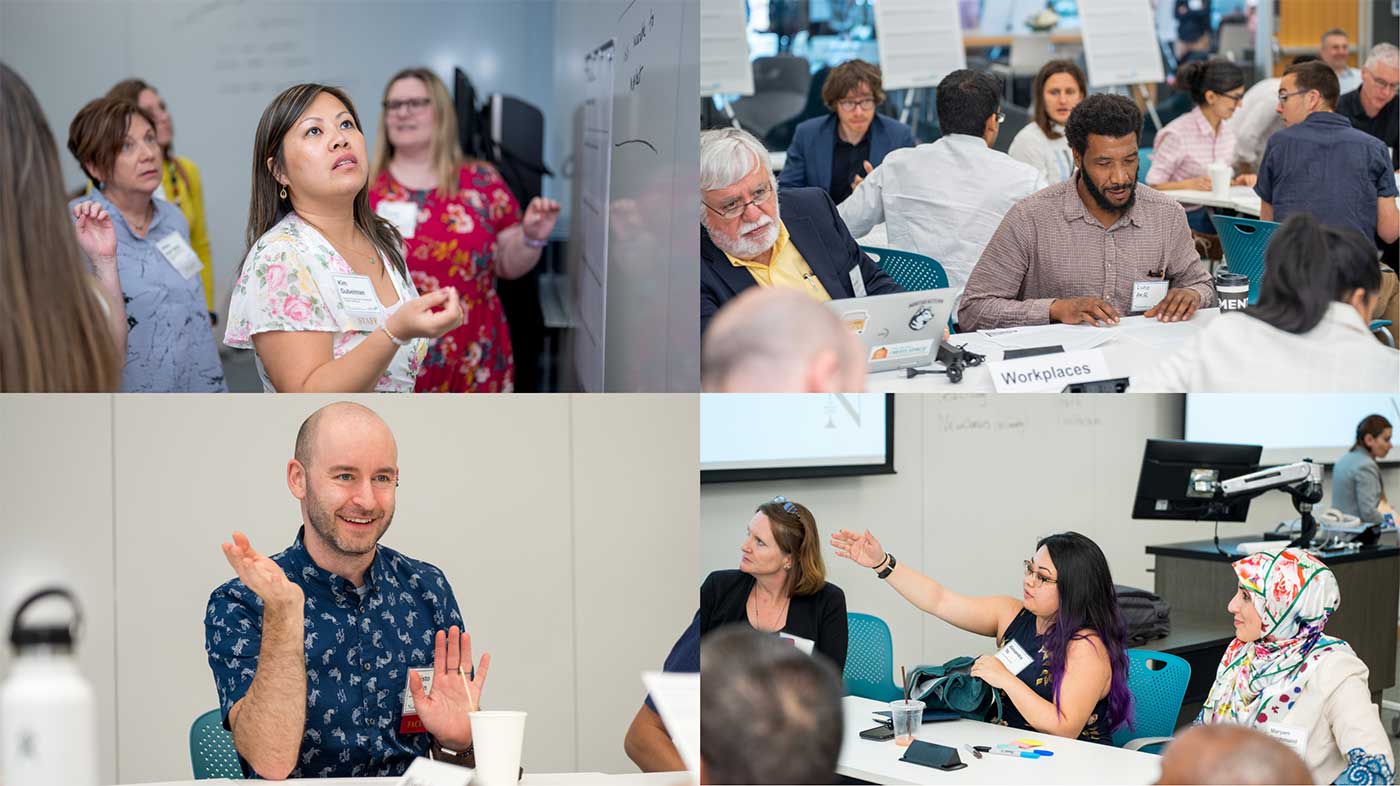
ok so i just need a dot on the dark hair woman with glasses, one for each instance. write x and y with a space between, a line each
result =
1075 679
780 586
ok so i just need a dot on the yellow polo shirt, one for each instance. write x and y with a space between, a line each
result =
786 268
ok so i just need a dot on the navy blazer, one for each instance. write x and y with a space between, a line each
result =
814 145
819 234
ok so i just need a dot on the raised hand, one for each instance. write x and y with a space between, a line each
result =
96 235
539 219
418 319
263 576
862 549
444 710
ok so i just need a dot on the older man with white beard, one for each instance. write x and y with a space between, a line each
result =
746 240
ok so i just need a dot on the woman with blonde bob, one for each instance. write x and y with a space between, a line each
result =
462 228
780 586
323 295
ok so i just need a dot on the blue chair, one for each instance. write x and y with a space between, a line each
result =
1378 326
211 749
1157 681
913 272
869 659
1144 163
1243 241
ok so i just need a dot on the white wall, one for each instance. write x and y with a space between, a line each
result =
541 510
978 480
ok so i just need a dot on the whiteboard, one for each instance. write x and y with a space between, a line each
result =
1290 427
1120 43
594 175
920 41
724 49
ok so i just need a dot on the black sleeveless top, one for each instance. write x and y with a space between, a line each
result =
1037 676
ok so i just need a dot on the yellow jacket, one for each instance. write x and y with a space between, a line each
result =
181 183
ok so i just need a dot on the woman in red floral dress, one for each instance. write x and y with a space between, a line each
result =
462 228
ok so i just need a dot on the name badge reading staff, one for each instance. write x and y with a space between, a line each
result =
357 297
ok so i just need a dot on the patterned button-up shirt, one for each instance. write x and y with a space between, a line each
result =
359 649
1051 247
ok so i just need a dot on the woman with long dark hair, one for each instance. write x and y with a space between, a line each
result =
323 295
1356 477
1058 89
1066 621
1308 332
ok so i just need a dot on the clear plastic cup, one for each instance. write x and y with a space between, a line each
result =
908 716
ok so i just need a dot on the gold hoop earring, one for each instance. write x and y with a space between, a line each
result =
283 193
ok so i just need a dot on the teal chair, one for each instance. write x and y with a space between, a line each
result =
1244 241
1378 326
869 659
1144 163
1157 681
211 749
913 272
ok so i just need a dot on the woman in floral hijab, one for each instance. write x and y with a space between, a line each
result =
1283 677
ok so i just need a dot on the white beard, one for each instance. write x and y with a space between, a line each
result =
742 247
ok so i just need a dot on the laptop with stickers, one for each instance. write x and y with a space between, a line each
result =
901 330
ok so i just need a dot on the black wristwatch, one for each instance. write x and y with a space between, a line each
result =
889 568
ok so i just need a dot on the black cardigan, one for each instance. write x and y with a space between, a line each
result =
820 617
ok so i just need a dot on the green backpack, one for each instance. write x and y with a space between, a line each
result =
951 687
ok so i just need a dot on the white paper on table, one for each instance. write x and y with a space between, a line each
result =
677 700
1158 334
1071 337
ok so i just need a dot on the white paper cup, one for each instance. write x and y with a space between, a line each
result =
497 738
1219 178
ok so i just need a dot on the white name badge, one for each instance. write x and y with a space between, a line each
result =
857 283
1014 658
1292 736
806 645
178 252
403 215
426 772
1147 294
408 721
357 297
1049 373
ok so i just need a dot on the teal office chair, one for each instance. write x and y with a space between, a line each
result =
1378 326
913 272
1243 241
1144 163
211 749
1157 681
869 659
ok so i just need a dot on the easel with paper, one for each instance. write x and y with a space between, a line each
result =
920 42
725 69
1120 46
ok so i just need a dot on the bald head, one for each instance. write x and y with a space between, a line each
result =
343 418
1229 753
778 340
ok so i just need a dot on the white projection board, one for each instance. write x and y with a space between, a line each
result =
751 437
1120 42
724 49
920 41
1290 427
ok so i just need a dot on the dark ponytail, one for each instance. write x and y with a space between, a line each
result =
1217 75
1370 426
1308 267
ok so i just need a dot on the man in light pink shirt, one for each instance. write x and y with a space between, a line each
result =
1076 251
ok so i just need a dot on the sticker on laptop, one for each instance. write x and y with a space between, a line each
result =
901 351
921 319
855 321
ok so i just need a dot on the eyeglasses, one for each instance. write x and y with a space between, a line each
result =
1388 87
1235 98
789 508
735 208
411 104
852 104
1036 578
1282 97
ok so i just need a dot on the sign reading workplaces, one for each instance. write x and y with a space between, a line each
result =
1048 373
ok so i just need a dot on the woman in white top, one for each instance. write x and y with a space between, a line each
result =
1282 676
324 296
1308 333
1058 89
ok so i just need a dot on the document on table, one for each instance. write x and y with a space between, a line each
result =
1071 337
1158 334
677 699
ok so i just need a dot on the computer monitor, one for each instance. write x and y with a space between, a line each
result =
1177 477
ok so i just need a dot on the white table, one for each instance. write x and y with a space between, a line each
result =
1241 199
1074 761
530 779
1133 346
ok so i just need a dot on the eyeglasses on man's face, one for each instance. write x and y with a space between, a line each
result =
735 207
1388 87
1283 97
852 104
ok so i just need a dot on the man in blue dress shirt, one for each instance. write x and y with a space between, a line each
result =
312 649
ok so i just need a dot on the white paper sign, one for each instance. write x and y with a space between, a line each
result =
426 772
1147 294
1120 42
403 215
806 645
920 41
1049 373
677 699
724 49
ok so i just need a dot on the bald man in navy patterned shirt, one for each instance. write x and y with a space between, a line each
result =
339 657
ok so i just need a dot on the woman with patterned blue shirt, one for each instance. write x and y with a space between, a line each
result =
169 346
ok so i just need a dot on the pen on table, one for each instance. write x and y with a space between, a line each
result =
975 753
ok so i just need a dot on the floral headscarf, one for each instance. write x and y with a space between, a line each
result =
1258 681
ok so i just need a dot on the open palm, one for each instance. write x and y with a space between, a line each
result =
263 576
444 709
862 549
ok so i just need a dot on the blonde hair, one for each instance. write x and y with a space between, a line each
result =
447 154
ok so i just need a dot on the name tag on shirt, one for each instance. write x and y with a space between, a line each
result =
403 215
857 283
1147 294
1013 656
806 645
1292 736
409 723
358 298
179 253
